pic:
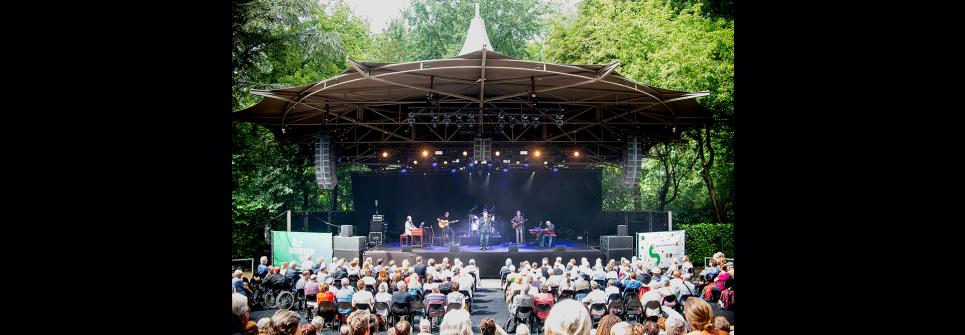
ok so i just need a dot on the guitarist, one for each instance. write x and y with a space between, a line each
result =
446 226
518 227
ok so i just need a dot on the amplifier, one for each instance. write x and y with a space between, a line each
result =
608 242
354 243
622 230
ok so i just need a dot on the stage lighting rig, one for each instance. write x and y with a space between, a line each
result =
559 120
411 119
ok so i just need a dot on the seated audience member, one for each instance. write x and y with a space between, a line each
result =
721 323
651 328
239 312
435 297
521 299
359 323
403 328
718 284
455 323
611 287
568 317
325 294
363 296
700 317
312 286
675 326
455 297
425 328
319 324
606 323
284 322
522 329
621 328
307 329
596 296
383 296
544 297
344 295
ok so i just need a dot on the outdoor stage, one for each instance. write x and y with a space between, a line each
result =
488 261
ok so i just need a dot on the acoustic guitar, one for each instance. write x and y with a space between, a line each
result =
445 223
517 223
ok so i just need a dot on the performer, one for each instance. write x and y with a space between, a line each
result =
446 226
485 230
547 239
409 226
519 228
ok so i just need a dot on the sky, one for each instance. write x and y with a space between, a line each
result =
379 12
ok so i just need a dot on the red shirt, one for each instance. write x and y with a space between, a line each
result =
543 298
325 296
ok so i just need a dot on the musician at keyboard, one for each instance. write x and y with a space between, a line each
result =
549 232
409 226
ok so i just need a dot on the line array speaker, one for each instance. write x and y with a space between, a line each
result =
324 162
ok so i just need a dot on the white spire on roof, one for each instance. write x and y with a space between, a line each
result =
476 38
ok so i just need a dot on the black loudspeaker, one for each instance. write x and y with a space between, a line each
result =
560 248
622 230
608 242
453 248
513 248
324 162
406 248
632 161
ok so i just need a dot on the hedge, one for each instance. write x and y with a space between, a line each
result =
705 239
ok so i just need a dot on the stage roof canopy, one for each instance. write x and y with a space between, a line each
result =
403 109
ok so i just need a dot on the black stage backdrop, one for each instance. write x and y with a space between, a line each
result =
571 199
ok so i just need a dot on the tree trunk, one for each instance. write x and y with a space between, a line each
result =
706 163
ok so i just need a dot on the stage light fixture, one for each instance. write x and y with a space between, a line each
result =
559 120
497 152
435 120
524 152
425 153
526 164
415 162
447 119
434 164
438 152
471 120
525 121
505 170
459 121
556 170
545 162
465 153
445 162
453 170
403 170
455 160
576 154
517 162
536 153
411 119
385 154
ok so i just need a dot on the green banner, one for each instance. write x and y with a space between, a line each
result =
296 246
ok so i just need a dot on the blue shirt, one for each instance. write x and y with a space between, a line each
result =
262 270
239 286
631 284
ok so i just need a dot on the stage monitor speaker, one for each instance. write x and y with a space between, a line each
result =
560 248
513 248
406 248
608 242
632 161
354 243
622 230
454 248
324 161
375 239
619 253
346 230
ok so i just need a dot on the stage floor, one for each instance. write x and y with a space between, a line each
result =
488 261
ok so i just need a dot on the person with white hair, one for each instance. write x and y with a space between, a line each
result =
568 317
237 283
262 271
621 328
596 296
319 323
675 326
522 329
456 322
263 325
383 296
239 310
425 328
307 264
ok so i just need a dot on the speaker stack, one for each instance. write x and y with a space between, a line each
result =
348 247
324 162
482 150
622 230
616 247
633 160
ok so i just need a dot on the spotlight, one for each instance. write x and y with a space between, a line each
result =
576 154
411 119
525 121
559 120
447 119
505 170
536 153
556 170
502 120
459 121
471 164
471 120
434 164
425 153
545 162
403 170
453 170
517 162
490 165
415 162
435 120
445 162
464 153
385 154
526 164
497 153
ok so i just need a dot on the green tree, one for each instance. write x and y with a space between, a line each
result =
282 43
671 45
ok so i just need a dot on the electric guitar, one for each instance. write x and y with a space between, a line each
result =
517 223
445 223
